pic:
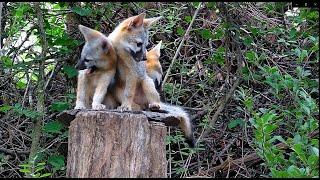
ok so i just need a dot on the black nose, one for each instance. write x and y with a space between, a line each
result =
80 65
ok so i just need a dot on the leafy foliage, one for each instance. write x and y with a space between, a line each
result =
273 113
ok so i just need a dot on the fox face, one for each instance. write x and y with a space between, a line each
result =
132 35
153 66
96 51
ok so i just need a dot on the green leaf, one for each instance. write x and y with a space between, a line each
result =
206 34
248 40
180 31
21 84
59 106
269 128
70 71
5 108
251 56
315 151
188 19
81 11
53 127
313 160
299 150
195 4
6 61
218 34
25 170
57 161
267 117
235 123
294 171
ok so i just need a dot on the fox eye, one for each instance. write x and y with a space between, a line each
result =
86 60
139 44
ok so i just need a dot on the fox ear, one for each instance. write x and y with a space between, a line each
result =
89 33
149 21
137 21
157 48
106 45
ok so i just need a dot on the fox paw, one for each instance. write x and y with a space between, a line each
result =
80 106
98 106
124 108
154 107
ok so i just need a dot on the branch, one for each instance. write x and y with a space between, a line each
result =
180 45
40 90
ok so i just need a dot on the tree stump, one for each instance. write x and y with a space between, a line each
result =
115 144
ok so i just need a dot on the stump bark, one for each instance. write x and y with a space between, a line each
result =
115 144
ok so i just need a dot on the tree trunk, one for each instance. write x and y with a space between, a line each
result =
113 144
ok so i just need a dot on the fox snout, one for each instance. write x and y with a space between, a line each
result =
80 65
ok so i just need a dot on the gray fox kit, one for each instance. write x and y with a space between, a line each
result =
97 67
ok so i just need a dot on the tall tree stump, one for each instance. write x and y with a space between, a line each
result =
115 144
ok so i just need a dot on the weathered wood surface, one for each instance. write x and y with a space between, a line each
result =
169 120
114 144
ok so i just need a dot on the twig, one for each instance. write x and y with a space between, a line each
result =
13 152
180 45
223 101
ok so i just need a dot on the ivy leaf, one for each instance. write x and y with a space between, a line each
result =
70 71
81 11
53 127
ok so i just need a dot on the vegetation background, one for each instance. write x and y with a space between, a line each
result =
246 72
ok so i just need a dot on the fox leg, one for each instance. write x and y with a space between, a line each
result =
110 101
127 96
101 90
82 96
153 97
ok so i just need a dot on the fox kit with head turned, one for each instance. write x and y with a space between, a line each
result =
130 39
153 66
154 71
97 67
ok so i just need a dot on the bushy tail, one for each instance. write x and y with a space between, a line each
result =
185 123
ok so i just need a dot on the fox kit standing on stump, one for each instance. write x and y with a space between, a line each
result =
97 67
130 39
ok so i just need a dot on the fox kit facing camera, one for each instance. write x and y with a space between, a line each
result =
130 39
97 67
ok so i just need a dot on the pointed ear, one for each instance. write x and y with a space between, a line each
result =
89 33
137 21
106 45
150 21
157 48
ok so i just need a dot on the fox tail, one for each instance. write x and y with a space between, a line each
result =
185 122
